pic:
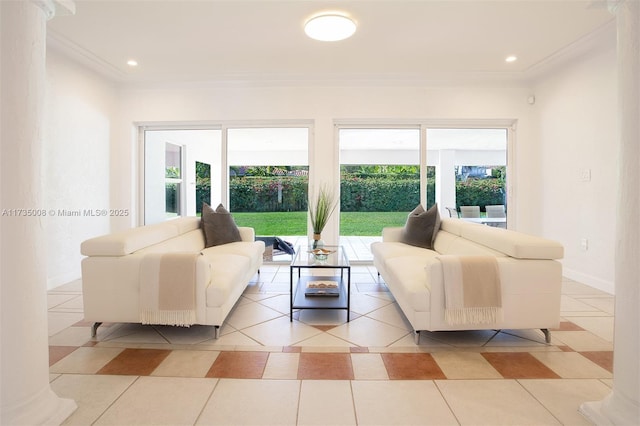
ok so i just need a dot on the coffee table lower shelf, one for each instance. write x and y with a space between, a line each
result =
299 300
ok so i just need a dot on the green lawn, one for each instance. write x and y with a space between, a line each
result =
295 223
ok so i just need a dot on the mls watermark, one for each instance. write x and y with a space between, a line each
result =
65 212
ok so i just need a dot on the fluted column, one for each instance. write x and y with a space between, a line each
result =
622 406
26 397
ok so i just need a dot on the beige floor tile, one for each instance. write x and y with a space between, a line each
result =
400 402
280 332
280 303
252 402
159 401
249 314
365 331
365 303
85 360
325 342
605 304
56 300
563 397
281 366
600 326
572 365
368 367
465 365
92 394
569 303
391 314
493 402
181 363
58 321
71 336
232 339
326 402
186 335
582 341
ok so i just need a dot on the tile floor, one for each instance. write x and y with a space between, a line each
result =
318 369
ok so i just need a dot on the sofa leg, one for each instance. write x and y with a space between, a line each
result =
217 331
94 328
416 337
547 335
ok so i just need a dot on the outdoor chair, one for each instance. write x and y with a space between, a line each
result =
470 211
495 211
453 212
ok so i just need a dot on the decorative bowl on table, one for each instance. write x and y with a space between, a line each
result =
321 253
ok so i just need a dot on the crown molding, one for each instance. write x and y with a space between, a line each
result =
84 57
599 39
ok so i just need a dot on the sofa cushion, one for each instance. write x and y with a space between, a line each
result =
512 243
129 241
421 227
219 226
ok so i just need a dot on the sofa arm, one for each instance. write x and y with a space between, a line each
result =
392 234
247 234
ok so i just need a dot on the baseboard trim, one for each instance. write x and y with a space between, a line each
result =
600 284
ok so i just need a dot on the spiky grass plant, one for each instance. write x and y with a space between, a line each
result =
321 210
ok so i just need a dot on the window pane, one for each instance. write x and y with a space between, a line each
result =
470 167
173 161
380 179
268 182
172 200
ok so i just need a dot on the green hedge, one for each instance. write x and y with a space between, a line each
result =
267 194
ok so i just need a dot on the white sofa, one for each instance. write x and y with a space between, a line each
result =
111 270
529 272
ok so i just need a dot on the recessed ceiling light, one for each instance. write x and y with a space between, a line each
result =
132 63
330 26
511 58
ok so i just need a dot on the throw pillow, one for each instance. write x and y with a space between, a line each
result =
218 226
422 227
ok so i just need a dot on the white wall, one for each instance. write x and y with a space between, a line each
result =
579 132
76 163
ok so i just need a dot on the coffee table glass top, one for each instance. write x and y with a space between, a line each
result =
337 258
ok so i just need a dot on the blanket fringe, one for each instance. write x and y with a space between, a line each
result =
177 318
482 315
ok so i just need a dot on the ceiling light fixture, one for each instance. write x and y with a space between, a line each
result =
132 63
330 26
511 58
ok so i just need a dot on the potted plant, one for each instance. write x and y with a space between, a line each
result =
320 211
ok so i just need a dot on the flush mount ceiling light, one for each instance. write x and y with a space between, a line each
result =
511 58
330 26
132 63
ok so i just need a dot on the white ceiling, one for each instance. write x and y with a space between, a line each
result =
263 40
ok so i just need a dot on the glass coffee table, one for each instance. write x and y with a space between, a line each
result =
322 291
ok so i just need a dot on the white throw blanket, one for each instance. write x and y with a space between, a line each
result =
167 289
472 289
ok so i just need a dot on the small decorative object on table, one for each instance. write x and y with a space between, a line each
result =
321 254
320 211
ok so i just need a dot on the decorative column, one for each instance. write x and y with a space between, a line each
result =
622 406
26 397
